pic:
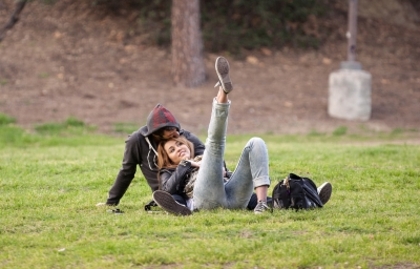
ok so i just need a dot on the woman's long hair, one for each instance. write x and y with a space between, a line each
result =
163 160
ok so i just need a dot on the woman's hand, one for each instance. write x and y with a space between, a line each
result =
191 162
195 164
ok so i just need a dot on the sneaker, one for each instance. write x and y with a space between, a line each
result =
324 192
222 71
261 207
168 203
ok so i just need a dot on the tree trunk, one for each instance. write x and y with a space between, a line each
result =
188 66
20 4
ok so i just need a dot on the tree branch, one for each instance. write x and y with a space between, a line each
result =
20 4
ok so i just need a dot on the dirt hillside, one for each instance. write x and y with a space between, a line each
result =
69 59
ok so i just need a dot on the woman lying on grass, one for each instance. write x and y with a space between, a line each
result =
212 186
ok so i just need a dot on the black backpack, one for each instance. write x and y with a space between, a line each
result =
296 192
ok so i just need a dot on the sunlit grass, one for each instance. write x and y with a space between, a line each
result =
51 180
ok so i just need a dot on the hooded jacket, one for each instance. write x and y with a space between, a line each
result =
141 150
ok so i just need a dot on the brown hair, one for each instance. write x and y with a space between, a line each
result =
158 136
163 160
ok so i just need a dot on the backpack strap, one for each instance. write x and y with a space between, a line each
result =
286 182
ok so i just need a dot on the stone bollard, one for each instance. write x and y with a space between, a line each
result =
350 93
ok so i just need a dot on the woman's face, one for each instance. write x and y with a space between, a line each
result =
177 151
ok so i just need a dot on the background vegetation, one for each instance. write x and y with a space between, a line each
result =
50 181
231 25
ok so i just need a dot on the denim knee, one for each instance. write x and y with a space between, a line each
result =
255 142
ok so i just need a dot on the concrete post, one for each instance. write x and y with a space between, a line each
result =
350 86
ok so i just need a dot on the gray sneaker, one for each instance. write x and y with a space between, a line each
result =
324 192
261 207
167 202
222 70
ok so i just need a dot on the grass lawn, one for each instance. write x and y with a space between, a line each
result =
51 180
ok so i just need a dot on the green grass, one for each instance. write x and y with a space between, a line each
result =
125 128
51 180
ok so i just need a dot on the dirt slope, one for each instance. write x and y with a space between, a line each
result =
71 60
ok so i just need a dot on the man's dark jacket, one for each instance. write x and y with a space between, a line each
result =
141 150
138 151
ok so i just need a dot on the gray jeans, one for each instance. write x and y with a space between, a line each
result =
210 190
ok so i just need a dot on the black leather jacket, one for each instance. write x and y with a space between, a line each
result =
173 180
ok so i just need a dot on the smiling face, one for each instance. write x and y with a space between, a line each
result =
171 152
177 151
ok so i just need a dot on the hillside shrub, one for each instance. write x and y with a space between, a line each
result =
232 25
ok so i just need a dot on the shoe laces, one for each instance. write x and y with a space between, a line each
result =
261 207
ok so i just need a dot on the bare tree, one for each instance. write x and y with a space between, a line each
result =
20 4
188 66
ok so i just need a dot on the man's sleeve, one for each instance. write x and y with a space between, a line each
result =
128 170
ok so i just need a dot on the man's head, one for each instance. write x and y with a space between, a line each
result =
166 133
162 124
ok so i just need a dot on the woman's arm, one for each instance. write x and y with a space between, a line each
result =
173 181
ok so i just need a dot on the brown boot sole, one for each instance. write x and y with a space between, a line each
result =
222 70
